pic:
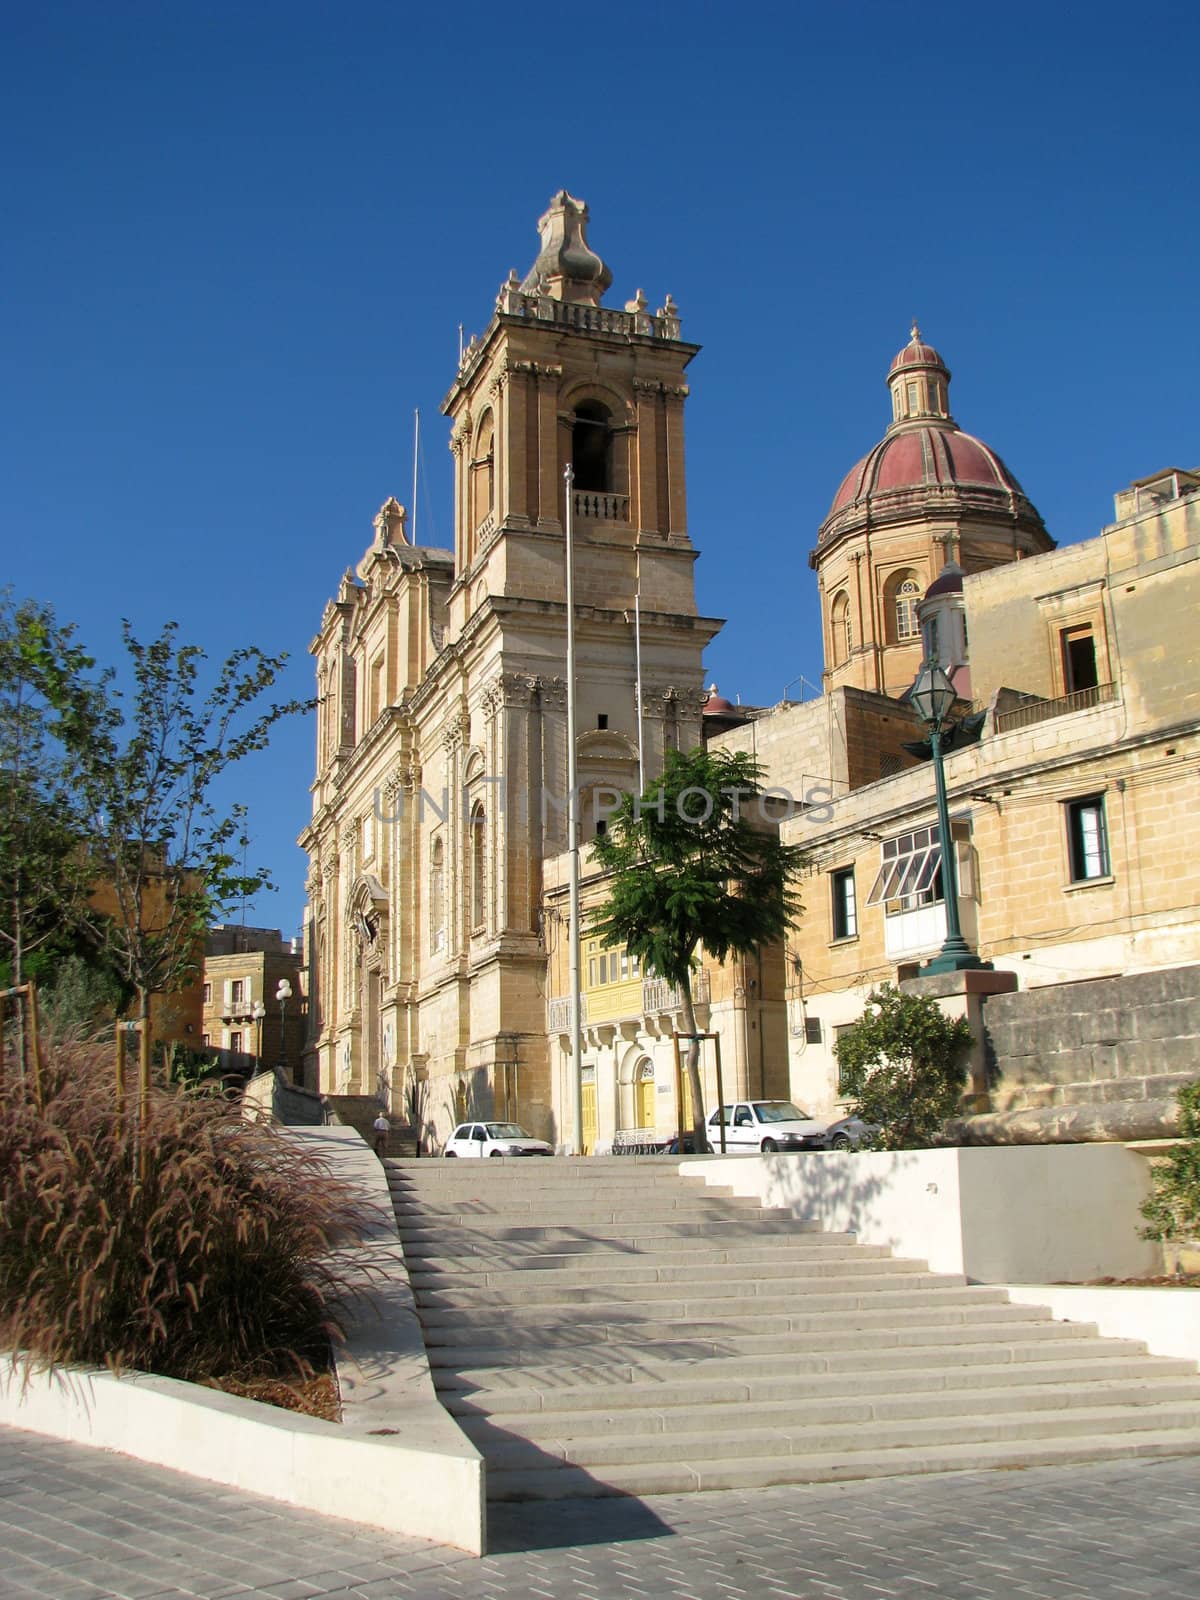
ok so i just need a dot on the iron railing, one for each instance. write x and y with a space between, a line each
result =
1034 711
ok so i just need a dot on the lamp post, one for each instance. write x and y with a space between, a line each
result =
258 1012
933 697
283 994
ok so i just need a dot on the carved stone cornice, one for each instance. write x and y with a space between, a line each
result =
460 437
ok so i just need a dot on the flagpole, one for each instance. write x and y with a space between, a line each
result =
574 944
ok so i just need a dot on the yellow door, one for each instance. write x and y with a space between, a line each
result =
587 1098
643 1096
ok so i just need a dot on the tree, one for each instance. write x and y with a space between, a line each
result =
1172 1209
162 852
903 1064
50 705
695 862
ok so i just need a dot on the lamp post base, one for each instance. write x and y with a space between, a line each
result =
955 955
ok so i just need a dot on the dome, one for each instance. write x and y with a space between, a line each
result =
925 465
917 354
717 706
928 455
948 581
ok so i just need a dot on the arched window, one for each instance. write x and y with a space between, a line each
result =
478 841
841 634
437 897
908 596
591 446
483 474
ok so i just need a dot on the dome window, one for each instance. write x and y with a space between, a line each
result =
842 635
907 597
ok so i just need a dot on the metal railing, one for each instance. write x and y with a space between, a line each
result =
1035 711
658 997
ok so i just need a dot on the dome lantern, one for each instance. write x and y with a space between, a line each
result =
920 382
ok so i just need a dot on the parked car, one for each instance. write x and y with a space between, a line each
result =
848 1133
494 1139
766 1125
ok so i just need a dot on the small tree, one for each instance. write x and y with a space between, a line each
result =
694 862
163 855
1172 1210
903 1065
50 705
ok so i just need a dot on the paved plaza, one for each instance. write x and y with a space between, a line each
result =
80 1524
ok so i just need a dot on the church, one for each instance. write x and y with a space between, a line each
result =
436 928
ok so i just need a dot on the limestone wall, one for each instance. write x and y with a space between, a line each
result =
1094 1060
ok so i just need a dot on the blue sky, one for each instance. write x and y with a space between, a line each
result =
239 240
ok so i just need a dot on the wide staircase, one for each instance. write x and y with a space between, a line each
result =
606 1326
358 1111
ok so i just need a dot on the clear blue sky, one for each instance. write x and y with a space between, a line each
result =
238 240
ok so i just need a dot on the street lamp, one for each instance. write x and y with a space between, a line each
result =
283 994
933 697
258 1012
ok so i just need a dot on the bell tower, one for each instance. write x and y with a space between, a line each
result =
558 377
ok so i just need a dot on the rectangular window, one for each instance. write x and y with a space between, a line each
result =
812 1030
237 991
845 904
591 972
1087 839
205 1040
208 994
624 965
1079 659
837 1034
603 969
235 1042
912 399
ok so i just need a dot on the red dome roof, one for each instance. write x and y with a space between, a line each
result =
917 355
921 456
717 706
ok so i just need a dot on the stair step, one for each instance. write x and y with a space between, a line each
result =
790 1439
696 1319
499 1367
929 1381
627 1235
671 1422
704 1474
587 1264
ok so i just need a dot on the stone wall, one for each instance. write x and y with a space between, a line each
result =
1095 1060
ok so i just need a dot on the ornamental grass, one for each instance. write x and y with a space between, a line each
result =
219 1262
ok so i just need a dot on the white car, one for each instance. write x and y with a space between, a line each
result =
494 1139
765 1125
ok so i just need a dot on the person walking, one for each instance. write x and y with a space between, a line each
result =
382 1128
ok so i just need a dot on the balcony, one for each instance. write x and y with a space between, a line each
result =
591 505
658 998
1035 711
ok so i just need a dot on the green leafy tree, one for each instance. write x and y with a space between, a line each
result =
904 1067
1172 1209
694 862
164 853
51 703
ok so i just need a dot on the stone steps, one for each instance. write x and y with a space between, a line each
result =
608 1328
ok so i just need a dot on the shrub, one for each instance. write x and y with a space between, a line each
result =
1172 1209
903 1064
218 1264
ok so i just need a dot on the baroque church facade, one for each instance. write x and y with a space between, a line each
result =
441 782
437 923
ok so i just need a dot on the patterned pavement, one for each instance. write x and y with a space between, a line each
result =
80 1524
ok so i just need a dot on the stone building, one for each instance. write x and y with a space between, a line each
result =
243 969
1074 828
436 936
440 788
